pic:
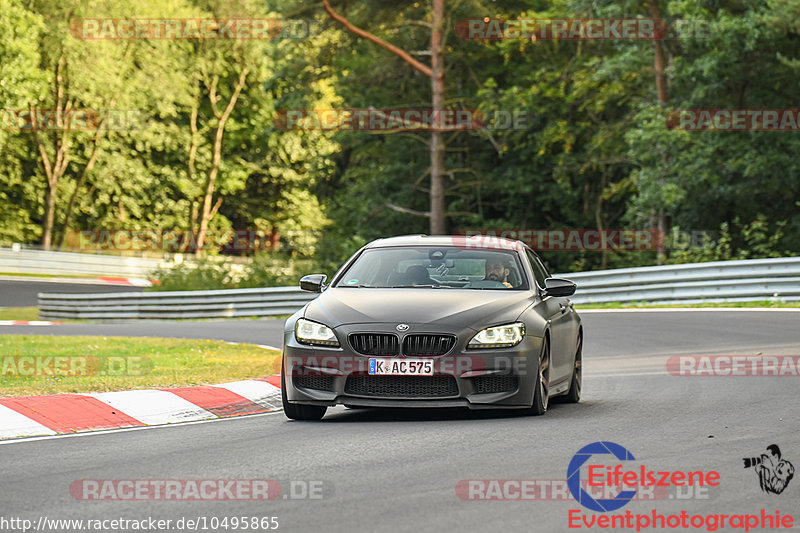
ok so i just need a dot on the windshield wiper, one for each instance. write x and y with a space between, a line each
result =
422 287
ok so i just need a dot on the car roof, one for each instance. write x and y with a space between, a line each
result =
475 241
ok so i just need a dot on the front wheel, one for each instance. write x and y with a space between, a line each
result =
299 412
541 395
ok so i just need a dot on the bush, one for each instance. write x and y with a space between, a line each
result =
218 273
756 241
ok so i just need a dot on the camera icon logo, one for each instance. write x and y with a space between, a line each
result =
774 472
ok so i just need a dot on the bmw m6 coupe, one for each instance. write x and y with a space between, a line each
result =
434 321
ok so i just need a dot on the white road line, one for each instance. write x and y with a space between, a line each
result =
268 347
28 323
630 374
14 424
124 430
66 281
695 309
153 406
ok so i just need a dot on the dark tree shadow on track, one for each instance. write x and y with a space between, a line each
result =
582 410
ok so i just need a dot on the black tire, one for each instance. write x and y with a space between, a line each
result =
574 394
296 411
541 395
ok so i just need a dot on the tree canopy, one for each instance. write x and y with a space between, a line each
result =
187 133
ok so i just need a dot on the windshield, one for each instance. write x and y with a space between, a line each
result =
435 267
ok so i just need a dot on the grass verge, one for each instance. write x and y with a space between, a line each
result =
19 313
100 364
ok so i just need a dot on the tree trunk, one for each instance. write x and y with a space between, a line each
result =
99 133
598 219
207 210
53 170
53 173
661 89
661 83
435 72
437 215
49 216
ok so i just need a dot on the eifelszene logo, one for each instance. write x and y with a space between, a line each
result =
624 479
574 477
774 473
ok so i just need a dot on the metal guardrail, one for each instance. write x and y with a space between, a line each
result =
22 261
717 281
751 280
271 301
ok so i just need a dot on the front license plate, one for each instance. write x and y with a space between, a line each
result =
400 367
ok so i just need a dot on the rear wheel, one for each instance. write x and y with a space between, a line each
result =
299 412
542 391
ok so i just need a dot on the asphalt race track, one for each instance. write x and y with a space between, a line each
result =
383 470
252 331
23 293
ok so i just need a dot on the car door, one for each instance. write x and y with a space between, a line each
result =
562 325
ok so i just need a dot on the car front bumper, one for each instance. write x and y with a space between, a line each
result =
477 379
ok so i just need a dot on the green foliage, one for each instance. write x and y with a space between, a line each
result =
20 82
206 274
265 270
756 241
595 150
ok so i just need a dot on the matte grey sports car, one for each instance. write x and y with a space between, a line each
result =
419 321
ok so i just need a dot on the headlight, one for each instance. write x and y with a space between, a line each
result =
309 332
498 336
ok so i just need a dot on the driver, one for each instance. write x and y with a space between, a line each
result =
496 270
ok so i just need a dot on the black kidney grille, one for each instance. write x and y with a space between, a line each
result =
317 382
428 344
402 386
375 343
504 383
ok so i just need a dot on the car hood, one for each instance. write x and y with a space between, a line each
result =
475 309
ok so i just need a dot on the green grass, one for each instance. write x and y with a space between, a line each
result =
156 363
32 313
19 313
28 275
38 275
641 305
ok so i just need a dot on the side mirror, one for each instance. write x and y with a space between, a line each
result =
313 282
559 287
